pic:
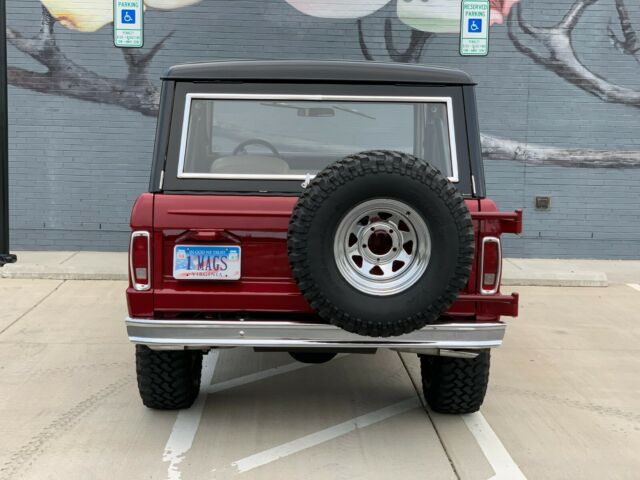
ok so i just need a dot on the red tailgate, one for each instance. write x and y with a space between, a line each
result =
258 224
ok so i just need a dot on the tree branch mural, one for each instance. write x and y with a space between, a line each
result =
629 45
65 77
138 93
496 148
561 57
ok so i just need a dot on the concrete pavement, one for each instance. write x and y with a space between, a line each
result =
535 272
71 265
563 400
516 272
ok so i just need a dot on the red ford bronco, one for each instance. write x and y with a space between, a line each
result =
316 208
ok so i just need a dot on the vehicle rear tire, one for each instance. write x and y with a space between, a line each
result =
380 243
313 357
168 379
455 385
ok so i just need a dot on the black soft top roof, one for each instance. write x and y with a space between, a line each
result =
317 71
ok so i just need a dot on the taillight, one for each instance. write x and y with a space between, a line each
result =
140 260
490 265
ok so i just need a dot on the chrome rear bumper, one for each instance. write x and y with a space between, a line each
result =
179 334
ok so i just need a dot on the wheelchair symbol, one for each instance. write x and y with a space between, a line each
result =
475 25
128 16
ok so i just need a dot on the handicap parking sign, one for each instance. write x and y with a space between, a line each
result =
128 23
128 16
474 25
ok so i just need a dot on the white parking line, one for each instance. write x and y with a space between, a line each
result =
254 377
635 286
187 422
497 456
308 441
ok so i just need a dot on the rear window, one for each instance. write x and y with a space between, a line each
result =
294 137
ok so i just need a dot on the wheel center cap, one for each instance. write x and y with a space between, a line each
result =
380 242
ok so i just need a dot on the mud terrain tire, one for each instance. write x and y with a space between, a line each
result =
167 379
455 385
401 180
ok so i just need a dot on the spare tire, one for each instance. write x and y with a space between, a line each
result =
380 243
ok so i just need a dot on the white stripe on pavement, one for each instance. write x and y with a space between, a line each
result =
497 456
635 286
308 441
187 422
254 377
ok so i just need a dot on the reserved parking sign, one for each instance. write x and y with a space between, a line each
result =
128 23
474 28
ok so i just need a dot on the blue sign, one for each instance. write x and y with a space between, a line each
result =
128 23
128 16
474 25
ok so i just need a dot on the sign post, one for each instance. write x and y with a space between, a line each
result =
128 23
474 28
5 256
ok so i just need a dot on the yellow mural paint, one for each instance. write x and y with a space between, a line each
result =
82 15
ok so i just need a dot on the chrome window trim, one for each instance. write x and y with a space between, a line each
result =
494 290
140 287
316 98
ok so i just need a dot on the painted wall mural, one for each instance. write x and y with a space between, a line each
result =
90 16
550 47
435 16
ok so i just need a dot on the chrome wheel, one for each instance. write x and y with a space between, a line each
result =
382 247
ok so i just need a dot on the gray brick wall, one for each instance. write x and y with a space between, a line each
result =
77 166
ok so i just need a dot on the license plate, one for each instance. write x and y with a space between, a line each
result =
206 262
